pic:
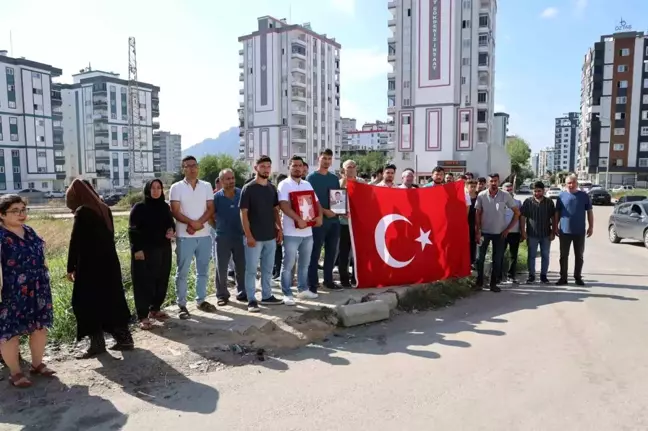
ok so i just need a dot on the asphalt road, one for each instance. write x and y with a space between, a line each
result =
531 358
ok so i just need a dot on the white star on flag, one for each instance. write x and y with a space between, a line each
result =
424 239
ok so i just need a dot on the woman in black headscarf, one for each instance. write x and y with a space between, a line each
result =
150 232
98 298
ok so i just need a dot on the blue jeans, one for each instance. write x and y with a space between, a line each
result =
294 245
264 251
545 248
186 249
327 235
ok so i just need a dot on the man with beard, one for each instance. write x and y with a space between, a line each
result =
491 227
389 172
327 235
298 236
437 177
512 240
449 177
259 206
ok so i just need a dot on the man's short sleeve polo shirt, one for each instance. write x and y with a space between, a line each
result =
193 204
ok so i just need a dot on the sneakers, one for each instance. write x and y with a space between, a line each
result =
276 281
272 301
242 297
289 300
495 288
561 282
307 294
184 313
253 307
530 280
333 286
544 280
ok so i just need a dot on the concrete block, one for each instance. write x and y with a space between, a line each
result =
391 298
365 312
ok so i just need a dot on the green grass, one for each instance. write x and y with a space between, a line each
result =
56 233
641 192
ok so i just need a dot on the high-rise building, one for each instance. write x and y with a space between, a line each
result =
170 151
534 163
565 149
96 131
546 162
291 93
500 128
614 109
440 92
348 125
30 126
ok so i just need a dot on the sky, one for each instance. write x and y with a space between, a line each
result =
190 49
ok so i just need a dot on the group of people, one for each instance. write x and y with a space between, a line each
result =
248 231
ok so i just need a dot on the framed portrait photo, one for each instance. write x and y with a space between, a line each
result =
304 204
338 201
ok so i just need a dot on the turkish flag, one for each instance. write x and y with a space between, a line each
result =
408 236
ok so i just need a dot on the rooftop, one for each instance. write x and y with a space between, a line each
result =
53 71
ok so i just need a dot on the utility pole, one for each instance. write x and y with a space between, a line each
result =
134 119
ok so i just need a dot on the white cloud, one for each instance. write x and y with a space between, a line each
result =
362 64
581 5
550 12
345 6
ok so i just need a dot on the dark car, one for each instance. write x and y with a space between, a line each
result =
629 221
600 197
113 199
630 198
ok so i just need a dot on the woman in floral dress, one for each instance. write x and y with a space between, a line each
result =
26 305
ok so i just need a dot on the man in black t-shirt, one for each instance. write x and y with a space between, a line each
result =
262 226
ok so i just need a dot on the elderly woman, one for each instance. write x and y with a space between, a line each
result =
26 298
98 298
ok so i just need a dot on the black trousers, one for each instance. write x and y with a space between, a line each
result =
344 255
566 240
498 251
473 244
226 249
276 270
151 279
512 242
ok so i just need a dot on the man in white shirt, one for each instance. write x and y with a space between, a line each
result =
192 205
388 176
297 236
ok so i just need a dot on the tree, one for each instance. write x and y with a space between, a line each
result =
519 152
368 163
211 165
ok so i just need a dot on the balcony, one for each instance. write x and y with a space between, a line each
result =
391 22
241 91
241 77
299 82
56 98
298 110
298 96
391 4
155 110
101 132
298 54
155 124
241 52
391 110
103 173
155 97
391 57
485 5
241 65
301 40
391 39
299 125
391 75
299 67
100 102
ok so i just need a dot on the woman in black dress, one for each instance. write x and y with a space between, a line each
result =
151 228
98 298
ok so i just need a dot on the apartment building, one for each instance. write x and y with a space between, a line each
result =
29 117
534 163
567 130
170 151
614 109
440 92
291 93
546 162
96 131
500 128
347 124
378 136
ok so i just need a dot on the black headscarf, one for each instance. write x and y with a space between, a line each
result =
150 200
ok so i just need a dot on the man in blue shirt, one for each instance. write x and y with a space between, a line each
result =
571 208
327 235
229 238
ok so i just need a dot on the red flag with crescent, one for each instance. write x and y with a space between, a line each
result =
408 236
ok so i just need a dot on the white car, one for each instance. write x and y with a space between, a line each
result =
554 192
55 194
623 189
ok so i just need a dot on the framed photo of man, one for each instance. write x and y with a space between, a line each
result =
305 205
338 201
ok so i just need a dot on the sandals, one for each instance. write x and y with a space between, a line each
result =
19 381
41 370
222 302
145 325
158 315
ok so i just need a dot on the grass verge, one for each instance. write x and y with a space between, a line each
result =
436 295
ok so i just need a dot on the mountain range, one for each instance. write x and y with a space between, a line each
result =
226 143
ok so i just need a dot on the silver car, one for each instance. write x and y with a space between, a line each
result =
629 221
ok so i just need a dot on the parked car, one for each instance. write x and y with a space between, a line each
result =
554 192
113 199
524 190
54 194
630 198
618 189
629 221
600 197
596 186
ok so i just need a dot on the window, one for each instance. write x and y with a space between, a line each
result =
10 71
603 162
483 59
619 131
624 52
41 170
643 146
619 115
36 75
483 39
645 83
18 185
622 68
466 4
16 169
58 153
12 105
618 147
618 162
643 163
481 115
40 122
620 100
464 136
622 84
31 185
465 23
465 117
644 115
482 97
644 131
406 120
406 84
2 170
15 153
38 107
483 20
41 154
406 102
465 61
37 91
463 80
44 185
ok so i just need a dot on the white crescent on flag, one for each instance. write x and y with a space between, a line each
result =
381 246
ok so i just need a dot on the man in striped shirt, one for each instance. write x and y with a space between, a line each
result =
538 228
